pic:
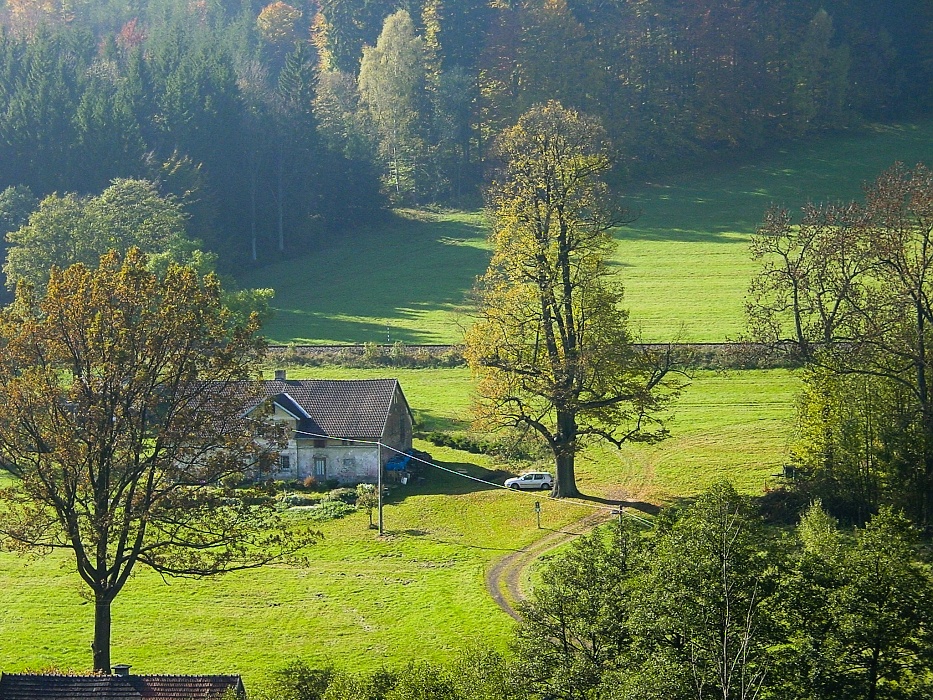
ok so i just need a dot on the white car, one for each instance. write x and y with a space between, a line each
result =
532 480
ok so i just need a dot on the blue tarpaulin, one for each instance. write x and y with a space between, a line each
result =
398 463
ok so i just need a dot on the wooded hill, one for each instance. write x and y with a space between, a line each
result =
276 124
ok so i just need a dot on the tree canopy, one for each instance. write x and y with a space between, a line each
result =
122 403
69 229
708 603
849 290
108 89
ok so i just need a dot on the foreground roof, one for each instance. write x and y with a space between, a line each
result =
43 686
340 408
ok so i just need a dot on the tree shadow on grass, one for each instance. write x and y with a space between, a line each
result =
448 479
643 506
426 421
387 277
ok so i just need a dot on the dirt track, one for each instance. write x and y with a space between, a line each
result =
503 581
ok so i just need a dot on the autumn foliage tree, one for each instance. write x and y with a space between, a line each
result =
551 347
122 404
277 23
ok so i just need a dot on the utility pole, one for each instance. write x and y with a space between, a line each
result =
379 487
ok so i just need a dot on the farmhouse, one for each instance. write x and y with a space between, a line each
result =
336 426
119 686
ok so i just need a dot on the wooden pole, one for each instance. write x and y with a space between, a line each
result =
379 487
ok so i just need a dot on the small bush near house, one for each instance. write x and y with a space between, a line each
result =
330 510
300 499
255 497
345 495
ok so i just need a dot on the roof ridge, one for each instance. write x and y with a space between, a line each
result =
93 674
62 674
187 675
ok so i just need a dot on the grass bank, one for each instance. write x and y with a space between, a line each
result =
684 261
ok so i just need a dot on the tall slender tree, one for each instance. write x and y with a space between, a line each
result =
392 87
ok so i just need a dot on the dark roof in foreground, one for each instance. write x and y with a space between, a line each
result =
46 686
352 408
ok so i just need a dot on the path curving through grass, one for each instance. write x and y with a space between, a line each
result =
504 579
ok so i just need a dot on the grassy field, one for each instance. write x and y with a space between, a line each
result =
361 602
725 425
418 593
684 261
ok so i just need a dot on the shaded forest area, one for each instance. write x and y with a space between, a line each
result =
275 125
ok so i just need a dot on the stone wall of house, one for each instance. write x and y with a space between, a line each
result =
398 427
349 464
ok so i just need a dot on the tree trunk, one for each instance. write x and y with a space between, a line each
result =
926 416
566 485
252 212
873 674
101 645
565 447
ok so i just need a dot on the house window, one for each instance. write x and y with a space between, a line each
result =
285 463
320 443
320 466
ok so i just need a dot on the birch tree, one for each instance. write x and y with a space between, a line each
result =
392 88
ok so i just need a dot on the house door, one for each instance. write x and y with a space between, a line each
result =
320 467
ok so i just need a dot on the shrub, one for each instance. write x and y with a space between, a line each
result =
372 352
511 446
330 510
255 497
232 481
300 499
341 494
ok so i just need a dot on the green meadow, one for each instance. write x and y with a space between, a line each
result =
684 261
418 593
363 602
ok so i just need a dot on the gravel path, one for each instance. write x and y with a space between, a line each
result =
503 581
